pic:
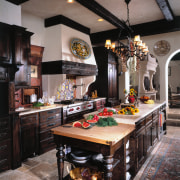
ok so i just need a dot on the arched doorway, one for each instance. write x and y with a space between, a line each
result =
172 74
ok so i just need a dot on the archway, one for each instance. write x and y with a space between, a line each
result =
166 71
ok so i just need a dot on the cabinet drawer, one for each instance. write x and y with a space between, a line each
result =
149 119
5 147
155 113
29 119
49 125
50 112
51 117
47 145
4 134
140 126
45 135
4 123
5 164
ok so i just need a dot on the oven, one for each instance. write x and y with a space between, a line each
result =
75 110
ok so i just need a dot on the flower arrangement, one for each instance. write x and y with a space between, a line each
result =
132 95
129 110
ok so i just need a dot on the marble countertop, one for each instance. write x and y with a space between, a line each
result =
144 110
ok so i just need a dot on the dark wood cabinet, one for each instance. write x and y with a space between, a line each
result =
140 146
106 82
5 143
29 135
5 43
22 54
48 120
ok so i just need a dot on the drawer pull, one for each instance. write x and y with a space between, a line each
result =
3 147
52 117
3 134
52 124
49 112
3 161
51 142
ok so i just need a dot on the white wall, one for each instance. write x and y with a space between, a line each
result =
174 39
36 25
10 13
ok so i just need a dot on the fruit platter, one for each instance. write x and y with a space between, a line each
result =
107 111
102 119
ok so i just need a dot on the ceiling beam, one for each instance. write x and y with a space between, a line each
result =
17 2
102 12
166 9
145 29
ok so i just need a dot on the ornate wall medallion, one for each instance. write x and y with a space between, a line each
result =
161 48
80 49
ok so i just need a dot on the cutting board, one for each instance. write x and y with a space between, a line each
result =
45 107
103 135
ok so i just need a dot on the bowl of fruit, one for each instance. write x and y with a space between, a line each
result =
107 111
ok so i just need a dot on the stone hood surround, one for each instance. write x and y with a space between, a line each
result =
57 47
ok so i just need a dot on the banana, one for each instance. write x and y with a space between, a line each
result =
149 101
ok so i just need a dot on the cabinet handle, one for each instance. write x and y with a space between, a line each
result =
52 124
52 117
49 112
3 134
3 161
51 142
3 147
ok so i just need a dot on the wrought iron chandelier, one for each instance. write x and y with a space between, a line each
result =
135 50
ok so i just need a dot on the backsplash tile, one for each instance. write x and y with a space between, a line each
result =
65 90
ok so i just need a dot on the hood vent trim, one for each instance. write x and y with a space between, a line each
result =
68 67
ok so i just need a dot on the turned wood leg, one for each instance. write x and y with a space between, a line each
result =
60 161
108 167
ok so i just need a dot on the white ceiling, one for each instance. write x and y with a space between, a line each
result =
140 11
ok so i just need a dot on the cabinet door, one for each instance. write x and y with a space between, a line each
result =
141 148
5 45
23 76
29 135
155 131
149 138
112 81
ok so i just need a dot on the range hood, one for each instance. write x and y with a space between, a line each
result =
68 67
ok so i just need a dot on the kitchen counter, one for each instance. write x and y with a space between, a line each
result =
144 110
27 111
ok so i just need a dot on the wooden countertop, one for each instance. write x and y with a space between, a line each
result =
103 135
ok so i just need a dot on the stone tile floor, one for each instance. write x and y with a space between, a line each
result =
44 167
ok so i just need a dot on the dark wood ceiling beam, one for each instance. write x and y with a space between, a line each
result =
145 29
17 2
166 9
102 12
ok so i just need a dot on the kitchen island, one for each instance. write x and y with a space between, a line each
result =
102 140
141 132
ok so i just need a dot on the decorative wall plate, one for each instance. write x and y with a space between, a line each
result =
80 49
161 48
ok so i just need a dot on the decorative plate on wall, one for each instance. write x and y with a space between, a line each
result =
80 49
161 48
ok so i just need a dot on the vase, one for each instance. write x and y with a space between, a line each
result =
131 99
